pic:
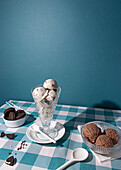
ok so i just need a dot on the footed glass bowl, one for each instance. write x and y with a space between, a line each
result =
100 149
46 111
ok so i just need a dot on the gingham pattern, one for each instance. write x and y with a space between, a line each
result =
50 156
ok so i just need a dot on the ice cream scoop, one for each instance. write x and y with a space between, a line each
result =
91 132
38 92
112 133
50 84
52 93
104 141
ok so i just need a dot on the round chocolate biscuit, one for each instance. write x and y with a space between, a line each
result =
7 111
20 114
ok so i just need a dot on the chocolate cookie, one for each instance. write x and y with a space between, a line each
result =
7 111
20 114
12 114
10 136
10 161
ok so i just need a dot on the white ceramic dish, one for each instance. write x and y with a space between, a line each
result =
15 123
37 137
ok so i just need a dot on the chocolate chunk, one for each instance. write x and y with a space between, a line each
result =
10 161
11 116
20 114
47 101
23 141
55 90
10 136
22 145
2 134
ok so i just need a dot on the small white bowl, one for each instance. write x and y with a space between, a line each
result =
15 123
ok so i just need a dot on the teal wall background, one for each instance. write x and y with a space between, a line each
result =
76 42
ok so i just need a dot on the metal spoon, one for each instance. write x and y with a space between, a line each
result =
79 154
36 128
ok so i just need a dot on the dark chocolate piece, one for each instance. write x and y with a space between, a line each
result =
2 134
47 101
55 90
10 136
10 161
23 141
20 114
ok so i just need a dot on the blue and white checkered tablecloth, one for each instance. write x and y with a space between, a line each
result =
50 156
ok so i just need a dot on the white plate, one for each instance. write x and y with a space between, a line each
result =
35 137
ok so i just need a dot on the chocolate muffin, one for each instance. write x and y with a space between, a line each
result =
112 133
91 132
104 141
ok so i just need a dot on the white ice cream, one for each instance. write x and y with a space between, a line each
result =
45 98
51 96
50 84
52 93
38 93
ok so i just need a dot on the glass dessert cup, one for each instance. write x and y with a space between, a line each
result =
45 111
109 151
